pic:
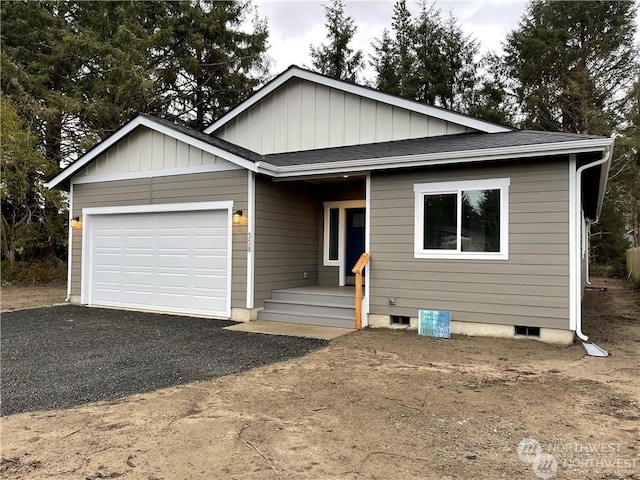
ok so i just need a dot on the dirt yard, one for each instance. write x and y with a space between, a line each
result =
373 405
14 297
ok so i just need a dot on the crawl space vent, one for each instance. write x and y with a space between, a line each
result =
522 331
399 320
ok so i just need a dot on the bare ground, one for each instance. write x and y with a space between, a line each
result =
15 297
373 405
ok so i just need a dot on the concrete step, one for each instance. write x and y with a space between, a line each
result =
315 307
307 319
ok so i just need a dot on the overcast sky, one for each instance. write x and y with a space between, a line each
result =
294 25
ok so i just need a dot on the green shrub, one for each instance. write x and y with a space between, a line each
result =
38 271
610 270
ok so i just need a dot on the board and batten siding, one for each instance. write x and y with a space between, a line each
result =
301 115
531 288
197 187
145 149
285 237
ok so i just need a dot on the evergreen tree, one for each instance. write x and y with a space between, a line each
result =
210 64
76 71
571 66
403 30
427 59
459 72
570 61
619 225
428 41
490 99
120 45
40 66
384 62
337 59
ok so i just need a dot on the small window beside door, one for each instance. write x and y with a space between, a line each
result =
333 234
335 220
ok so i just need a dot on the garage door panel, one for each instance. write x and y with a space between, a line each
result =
212 262
210 243
209 282
176 242
141 243
170 262
170 300
180 280
202 303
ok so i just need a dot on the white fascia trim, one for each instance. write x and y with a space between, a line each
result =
158 172
463 156
149 123
574 302
457 188
375 95
604 177
251 208
159 207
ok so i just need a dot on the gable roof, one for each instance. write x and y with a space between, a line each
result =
296 72
518 142
216 146
446 149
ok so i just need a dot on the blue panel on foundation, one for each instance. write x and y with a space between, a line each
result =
434 323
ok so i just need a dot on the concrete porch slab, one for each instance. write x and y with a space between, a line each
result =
290 329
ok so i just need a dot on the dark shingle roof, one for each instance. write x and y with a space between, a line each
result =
211 140
424 146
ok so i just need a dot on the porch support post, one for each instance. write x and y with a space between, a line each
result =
357 269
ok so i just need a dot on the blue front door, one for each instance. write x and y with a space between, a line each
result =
355 232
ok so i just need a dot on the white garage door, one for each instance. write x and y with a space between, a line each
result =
162 261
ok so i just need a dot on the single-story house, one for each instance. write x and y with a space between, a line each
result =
264 214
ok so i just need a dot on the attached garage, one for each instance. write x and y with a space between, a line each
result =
165 258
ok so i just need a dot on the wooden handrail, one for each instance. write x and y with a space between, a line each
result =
357 269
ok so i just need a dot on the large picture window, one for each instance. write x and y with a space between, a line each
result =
467 219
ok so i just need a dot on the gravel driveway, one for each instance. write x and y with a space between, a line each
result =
58 357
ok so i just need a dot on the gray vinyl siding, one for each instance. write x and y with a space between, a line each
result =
302 115
286 237
530 288
200 187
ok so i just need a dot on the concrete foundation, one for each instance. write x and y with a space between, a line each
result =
244 314
547 335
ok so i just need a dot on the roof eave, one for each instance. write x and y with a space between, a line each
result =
604 176
456 157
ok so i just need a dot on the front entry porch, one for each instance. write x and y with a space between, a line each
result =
312 305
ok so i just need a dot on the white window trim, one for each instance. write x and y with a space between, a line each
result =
422 189
342 206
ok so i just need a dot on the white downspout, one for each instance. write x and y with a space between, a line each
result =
579 225
588 247
69 244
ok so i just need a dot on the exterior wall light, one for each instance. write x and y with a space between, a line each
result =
76 223
238 218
